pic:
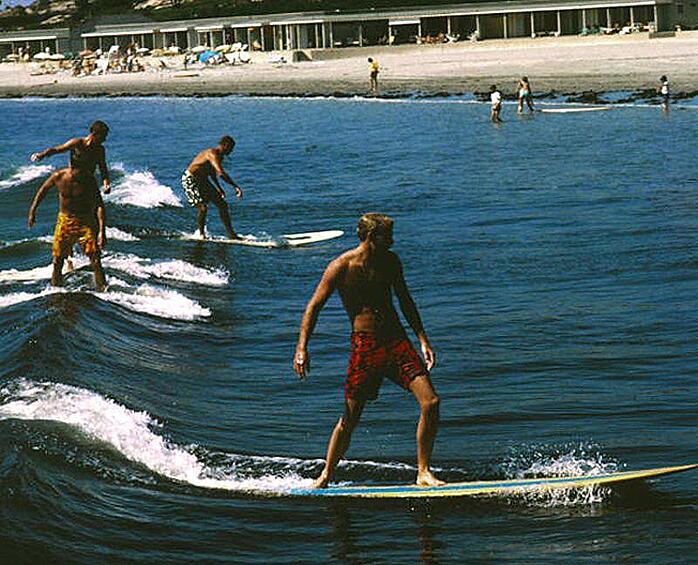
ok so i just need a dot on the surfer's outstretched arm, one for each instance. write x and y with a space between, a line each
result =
39 196
409 309
324 289
67 146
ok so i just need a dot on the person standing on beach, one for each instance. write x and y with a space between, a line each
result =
81 219
524 89
86 154
373 70
365 278
663 89
496 102
207 166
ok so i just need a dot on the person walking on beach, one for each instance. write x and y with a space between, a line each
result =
207 166
81 219
524 89
373 70
365 278
663 89
86 154
496 102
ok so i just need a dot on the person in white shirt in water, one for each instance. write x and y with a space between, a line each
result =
496 101
663 89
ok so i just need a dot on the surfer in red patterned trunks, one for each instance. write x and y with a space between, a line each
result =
365 278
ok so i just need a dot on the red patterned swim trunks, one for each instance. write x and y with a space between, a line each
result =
373 358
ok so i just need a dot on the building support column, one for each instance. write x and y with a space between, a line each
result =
361 35
477 27
448 25
533 25
559 24
632 17
608 17
584 19
656 18
505 26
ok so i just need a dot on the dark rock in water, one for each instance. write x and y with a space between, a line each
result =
587 97
543 95
685 95
639 95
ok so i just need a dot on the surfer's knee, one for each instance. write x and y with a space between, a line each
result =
347 423
430 403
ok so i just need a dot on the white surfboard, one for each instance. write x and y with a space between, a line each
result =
286 240
571 110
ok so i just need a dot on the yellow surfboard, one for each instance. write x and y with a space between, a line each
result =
489 487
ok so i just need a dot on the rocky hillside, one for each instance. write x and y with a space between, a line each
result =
46 13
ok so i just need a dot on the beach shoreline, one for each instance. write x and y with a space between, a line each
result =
567 66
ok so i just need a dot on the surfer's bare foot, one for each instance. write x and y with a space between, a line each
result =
69 267
427 479
233 235
321 482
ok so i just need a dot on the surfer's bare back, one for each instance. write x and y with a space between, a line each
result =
365 278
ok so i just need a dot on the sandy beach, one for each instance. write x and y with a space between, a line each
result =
566 65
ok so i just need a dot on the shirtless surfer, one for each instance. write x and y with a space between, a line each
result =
86 154
207 166
81 219
365 278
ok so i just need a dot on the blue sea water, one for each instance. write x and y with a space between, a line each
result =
554 262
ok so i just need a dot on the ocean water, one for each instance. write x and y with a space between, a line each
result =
554 262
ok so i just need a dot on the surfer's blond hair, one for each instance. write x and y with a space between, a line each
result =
372 222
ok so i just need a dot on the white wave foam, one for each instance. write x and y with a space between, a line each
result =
26 276
19 297
141 188
146 299
156 301
174 269
131 433
120 235
568 461
135 435
25 174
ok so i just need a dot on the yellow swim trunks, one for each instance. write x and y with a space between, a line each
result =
71 230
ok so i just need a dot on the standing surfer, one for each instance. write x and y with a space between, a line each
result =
365 278
81 219
207 166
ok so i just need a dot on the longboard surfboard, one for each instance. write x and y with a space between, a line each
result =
489 487
571 110
286 240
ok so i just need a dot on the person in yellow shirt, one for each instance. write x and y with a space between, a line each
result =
373 69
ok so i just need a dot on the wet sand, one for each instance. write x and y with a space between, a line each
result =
566 65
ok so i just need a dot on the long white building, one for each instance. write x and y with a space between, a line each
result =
321 30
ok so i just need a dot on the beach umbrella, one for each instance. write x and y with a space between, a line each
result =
41 56
199 49
57 57
223 48
142 50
